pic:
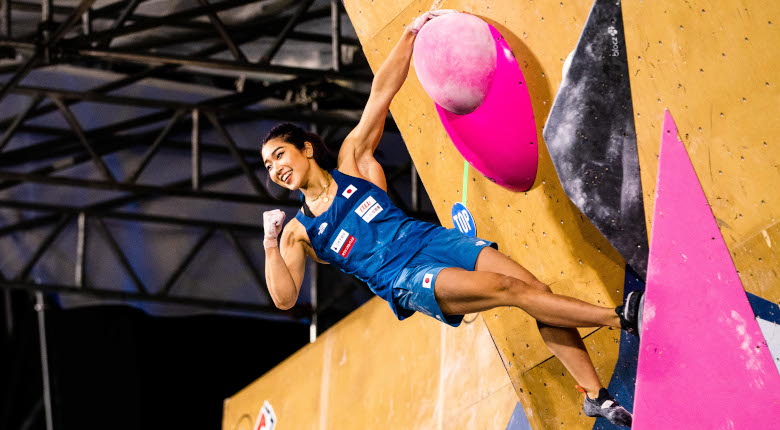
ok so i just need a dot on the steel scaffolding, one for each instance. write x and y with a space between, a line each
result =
195 45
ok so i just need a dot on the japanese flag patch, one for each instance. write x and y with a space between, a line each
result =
343 244
428 280
266 420
349 191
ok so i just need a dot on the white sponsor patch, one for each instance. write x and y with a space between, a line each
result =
364 206
428 280
349 191
373 212
343 244
322 228
480 243
340 239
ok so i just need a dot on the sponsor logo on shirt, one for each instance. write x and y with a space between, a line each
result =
364 206
343 244
368 209
428 280
322 228
347 248
480 243
374 211
349 191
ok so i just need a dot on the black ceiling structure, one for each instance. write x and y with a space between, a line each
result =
118 144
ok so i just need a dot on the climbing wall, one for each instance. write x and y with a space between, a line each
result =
715 334
710 63
371 371
539 228
707 62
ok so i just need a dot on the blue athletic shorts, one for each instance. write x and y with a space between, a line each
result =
414 286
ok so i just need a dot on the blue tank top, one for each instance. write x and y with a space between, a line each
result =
365 235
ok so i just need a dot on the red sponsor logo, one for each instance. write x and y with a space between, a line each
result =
365 205
347 248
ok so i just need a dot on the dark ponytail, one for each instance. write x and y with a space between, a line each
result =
298 137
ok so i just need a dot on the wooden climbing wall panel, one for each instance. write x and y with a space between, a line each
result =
712 64
371 371
540 228
708 62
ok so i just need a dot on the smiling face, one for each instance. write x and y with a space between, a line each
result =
287 165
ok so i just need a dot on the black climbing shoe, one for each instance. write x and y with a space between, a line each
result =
630 312
606 406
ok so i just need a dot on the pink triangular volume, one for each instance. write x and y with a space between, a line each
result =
703 362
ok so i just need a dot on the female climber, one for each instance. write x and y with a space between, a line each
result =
348 220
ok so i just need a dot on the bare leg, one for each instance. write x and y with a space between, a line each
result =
500 281
567 345
461 291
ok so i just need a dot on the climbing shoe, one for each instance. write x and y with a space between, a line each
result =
606 406
630 312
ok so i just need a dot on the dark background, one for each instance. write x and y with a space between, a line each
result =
117 367
87 104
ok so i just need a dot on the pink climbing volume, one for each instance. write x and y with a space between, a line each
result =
703 361
492 121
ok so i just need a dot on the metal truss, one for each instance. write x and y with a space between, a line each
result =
329 99
142 292
201 43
